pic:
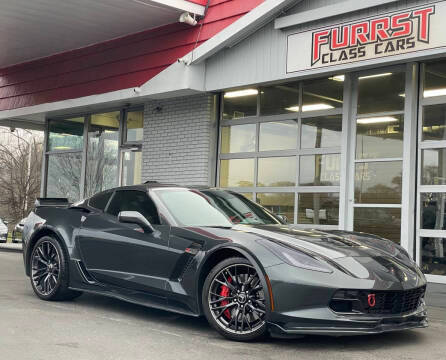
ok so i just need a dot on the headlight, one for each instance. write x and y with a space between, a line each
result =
295 257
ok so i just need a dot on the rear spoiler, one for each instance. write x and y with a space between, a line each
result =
51 202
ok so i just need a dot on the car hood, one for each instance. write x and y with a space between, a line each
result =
3 228
362 256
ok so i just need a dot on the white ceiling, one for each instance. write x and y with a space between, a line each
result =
31 29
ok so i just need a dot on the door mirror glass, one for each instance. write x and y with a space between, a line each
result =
134 217
283 218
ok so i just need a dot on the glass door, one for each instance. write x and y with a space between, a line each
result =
431 220
377 147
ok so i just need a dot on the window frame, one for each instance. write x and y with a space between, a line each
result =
297 152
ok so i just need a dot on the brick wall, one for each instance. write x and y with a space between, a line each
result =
180 137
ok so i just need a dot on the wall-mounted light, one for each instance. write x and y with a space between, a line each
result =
311 107
377 120
241 93
339 78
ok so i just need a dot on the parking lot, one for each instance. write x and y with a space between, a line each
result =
94 327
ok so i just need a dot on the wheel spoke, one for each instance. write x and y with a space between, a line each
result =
243 305
45 268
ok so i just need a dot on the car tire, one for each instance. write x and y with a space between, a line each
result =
240 322
50 271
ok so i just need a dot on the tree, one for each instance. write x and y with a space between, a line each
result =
20 172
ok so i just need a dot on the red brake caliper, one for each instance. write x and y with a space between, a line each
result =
224 291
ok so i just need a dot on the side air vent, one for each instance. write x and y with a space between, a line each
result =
85 274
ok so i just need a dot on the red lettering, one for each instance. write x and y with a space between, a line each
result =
319 39
359 33
379 29
399 23
335 42
423 23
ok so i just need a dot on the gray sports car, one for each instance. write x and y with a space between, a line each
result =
206 251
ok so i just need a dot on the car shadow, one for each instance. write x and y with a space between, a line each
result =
199 326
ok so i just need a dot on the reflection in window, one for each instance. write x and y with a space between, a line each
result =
318 208
277 171
239 138
66 135
279 99
278 203
378 182
381 92
379 137
433 256
102 153
64 175
433 211
247 195
384 222
131 167
434 122
280 135
135 125
433 166
319 170
321 132
240 103
323 94
435 79
237 173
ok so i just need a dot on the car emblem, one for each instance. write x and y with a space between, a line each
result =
371 299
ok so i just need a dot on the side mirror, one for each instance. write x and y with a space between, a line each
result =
283 218
134 217
5 222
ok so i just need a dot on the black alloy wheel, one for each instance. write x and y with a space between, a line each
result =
234 300
49 271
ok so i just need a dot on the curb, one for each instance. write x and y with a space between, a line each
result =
8 247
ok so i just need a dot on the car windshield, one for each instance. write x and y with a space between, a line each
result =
213 208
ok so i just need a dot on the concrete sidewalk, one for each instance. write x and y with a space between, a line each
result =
11 247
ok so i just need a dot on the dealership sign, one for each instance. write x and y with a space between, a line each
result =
387 35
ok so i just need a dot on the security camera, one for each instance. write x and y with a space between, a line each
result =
186 18
137 90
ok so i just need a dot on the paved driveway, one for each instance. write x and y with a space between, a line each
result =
94 327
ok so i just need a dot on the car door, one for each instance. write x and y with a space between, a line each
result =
122 254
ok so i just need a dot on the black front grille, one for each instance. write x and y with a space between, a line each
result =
377 302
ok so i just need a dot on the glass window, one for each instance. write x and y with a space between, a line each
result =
102 154
379 137
239 138
66 135
384 222
318 208
131 200
378 182
278 203
435 79
237 173
434 122
324 94
381 92
279 99
433 167
131 167
320 170
277 171
321 132
135 125
280 135
64 173
247 195
433 256
240 103
100 200
433 211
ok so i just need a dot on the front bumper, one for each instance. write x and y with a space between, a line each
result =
329 323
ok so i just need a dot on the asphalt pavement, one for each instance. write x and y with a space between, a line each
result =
94 327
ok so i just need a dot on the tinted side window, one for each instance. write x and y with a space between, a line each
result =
132 200
100 200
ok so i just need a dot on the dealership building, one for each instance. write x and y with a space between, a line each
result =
332 113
